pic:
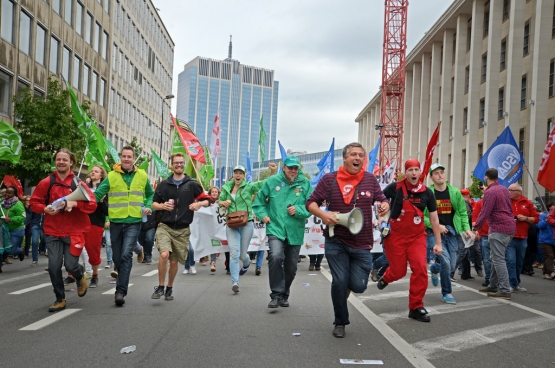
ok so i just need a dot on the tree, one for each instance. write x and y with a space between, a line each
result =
475 191
46 124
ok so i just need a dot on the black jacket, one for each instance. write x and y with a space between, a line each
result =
181 216
98 217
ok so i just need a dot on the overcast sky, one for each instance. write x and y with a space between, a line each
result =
326 54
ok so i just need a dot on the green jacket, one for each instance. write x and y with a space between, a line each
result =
104 188
460 219
243 196
17 214
272 201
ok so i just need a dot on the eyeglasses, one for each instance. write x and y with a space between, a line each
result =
179 163
514 190
293 168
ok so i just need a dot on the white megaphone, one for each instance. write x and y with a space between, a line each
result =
80 194
352 221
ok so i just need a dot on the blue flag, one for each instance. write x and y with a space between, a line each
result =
283 154
326 164
248 174
504 156
373 159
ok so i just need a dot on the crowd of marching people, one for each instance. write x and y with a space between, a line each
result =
502 235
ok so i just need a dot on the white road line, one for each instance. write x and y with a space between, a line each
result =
24 277
395 294
151 273
445 345
49 320
412 355
112 291
30 289
445 308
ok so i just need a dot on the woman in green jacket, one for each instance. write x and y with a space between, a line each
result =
13 216
237 195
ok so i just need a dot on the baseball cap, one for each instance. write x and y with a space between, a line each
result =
465 192
240 168
435 167
291 161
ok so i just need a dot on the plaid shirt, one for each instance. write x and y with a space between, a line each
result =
497 210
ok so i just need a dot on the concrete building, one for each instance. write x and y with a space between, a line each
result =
115 53
243 94
483 66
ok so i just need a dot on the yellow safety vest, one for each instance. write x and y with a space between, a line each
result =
126 201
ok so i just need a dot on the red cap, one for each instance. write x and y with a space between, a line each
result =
411 163
465 192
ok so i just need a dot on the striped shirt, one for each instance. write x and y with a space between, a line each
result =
369 191
497 209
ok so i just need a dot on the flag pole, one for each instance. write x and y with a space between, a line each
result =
195 168
536 187
140 155
82 161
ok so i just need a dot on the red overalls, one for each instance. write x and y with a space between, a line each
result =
407 242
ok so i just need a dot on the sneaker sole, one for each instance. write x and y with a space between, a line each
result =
85 293
93 286
169 298
235 288
155 296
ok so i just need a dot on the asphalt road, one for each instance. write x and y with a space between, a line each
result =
207 325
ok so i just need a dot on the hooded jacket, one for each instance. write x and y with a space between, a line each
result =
243 196
460 217
273 199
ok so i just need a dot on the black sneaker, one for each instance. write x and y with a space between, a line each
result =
244 270
69 280
274 303
382 284
419 314
485 283
147 260
284 303
339 331
488 290
168 294
158 292
120 299
21 256
94 282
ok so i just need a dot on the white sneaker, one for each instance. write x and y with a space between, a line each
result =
518 289
186 272
235 288
193 270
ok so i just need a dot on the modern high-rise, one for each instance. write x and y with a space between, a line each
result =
484 65
115 53
243 94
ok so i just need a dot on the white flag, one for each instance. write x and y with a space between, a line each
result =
215 146
388 175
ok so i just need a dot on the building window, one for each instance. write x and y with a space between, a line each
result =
463 176
116 14
526 45
451 127
484 67
66 67
486 24
112 101
480 151
523 93
25 33
114 57
7 20
466 79
506 8
57 6
469 35
86 76
101 92
465 120
88 28
104 45
551 75
454 53
76 71
41 42
500 108
482 116
5 93
503 58
107 6
96 45
68 11
553 24
452 88
94 81
79 19
54 46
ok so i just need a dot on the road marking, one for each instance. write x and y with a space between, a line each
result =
445 308
151 273
113 291
30 289
442 346
412 355
395 294
49 320
24 277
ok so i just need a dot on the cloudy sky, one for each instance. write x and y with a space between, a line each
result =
326 54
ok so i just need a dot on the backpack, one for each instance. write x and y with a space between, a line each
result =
53 182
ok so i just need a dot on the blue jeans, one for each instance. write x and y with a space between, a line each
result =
146 238
123 237
35 236
486 256
446 261
514 255
259 259
238 240
108 245
282 266
316 259
350 269
190 261
381 264
16 237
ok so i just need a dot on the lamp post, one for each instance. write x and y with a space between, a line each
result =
168 97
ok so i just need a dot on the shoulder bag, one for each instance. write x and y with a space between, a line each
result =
238 218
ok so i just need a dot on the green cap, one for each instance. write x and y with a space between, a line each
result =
291 161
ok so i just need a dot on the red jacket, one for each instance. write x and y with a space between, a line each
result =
523 206
551 220
484 230
64 223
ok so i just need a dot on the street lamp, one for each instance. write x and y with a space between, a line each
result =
168 97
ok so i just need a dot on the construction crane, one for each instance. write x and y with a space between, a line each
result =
393 82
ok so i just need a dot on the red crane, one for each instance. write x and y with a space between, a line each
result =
393 82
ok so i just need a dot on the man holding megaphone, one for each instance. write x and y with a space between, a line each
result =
350 193
63 230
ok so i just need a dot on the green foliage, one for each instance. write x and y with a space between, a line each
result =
475 192
46 125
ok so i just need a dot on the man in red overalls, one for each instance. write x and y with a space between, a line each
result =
407 240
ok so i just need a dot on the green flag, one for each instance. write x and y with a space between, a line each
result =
144 165
160 165
112 150
190 170
177 144
83 121
207 172
10 143
262 140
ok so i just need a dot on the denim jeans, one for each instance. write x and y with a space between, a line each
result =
446 261
108 245
316 259
381 263
35 236
350 269
146 238
16 237
486 256
514 256
190 261
282 266
259 259
28 239
123 237
238 240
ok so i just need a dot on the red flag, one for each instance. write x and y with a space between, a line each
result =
546 175
10 181
190 142
215 146
376 170
432 144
